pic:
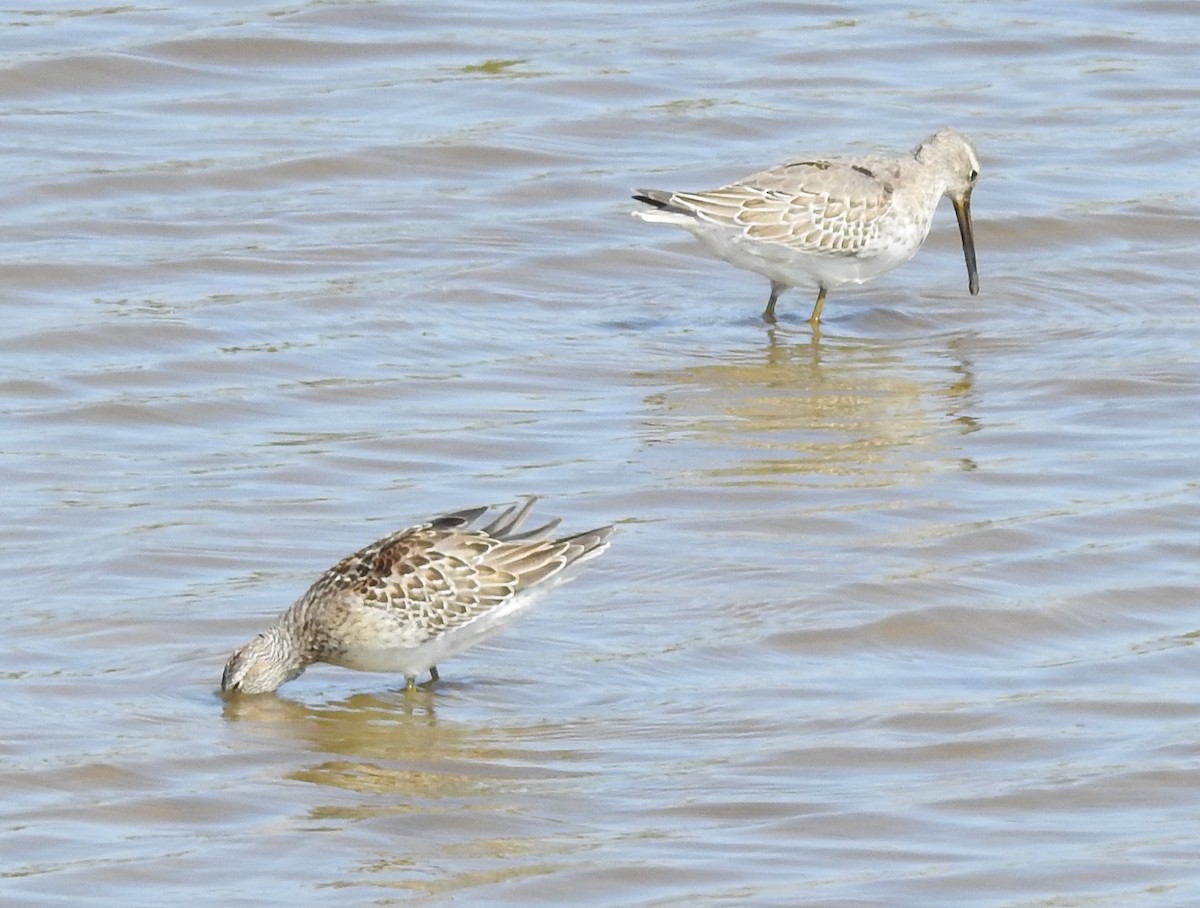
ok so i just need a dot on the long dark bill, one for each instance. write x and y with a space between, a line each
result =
962 210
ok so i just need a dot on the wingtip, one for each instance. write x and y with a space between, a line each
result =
656 198
510 518
593 542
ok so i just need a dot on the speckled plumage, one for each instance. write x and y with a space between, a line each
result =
829 221
415 597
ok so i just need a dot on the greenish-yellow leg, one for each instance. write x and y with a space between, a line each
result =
769 312
816 313
410 683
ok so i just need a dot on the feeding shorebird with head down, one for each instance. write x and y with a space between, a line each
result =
416 597
829 221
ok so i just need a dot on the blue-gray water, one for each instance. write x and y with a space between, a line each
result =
898 616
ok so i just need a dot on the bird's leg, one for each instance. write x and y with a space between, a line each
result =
816 313
433 675
410 684
769 312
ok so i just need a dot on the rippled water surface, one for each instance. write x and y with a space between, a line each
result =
899 614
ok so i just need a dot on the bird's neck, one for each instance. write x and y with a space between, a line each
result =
288 645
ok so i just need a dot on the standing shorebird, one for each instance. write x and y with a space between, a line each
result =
829 221
414 598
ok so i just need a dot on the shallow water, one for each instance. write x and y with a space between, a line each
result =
902 614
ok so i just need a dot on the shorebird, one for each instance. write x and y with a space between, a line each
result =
829 221
416 597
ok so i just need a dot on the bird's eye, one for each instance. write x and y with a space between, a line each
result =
974 176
